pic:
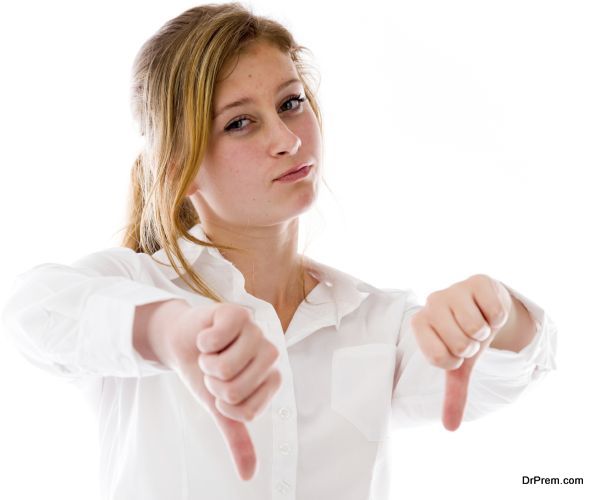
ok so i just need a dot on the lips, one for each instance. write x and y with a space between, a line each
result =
293 169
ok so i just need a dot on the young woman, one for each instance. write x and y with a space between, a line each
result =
223 363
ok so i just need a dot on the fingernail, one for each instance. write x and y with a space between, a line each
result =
483 334
471 350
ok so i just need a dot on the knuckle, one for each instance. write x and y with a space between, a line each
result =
249 413
437 358
472 329
498 315
478 278
208 341
258 330
272 352
278 379
243 313
204 363
201 342
234 312
450 363
200 362
223 309
232 395
228 306
416 320
433 297
211 345
208 383
254 331
224 371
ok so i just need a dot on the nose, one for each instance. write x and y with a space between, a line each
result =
284 140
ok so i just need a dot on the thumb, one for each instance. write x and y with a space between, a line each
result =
457 385
455 399
239 444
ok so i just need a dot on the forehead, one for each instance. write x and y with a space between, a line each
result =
260 66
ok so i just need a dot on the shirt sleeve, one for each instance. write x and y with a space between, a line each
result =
77 320
498 378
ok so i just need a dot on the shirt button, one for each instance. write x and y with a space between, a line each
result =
284 412
285 448
283 487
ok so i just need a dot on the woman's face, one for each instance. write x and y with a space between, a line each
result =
253 143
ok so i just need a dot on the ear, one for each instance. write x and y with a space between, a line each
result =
192 188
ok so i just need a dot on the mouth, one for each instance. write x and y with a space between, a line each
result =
293 171
295 174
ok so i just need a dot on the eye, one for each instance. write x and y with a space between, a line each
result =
231 128
297 97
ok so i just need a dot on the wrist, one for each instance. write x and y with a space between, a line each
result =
152 325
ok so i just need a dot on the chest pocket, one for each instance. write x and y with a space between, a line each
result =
361 387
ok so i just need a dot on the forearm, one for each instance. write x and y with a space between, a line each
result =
150 323
518 331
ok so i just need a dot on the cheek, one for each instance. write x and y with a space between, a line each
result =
241 184
311 130
234 185
237 173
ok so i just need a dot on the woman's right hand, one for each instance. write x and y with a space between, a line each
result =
223 358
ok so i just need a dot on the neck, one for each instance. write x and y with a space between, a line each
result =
272 268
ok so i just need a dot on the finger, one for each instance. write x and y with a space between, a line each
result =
432 346
487 297
238 389
252 406
234 433
239 443
227 326
457 386
455 398
453 336
228 364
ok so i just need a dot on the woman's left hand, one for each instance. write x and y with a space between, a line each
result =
454 327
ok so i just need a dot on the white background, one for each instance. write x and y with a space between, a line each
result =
460 138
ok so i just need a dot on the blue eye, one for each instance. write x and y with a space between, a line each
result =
297 97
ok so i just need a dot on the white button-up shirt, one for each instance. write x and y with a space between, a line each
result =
351 374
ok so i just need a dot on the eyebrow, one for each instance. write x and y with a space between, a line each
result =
246 100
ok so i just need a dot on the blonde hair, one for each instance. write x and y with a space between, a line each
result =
174 76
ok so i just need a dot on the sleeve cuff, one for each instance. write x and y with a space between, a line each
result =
107 319
531 362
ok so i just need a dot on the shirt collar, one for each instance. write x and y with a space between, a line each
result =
346 291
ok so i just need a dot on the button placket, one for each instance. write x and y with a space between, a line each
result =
283 415
283 487
284 428
285 448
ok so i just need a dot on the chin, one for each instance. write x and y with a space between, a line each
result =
305 198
